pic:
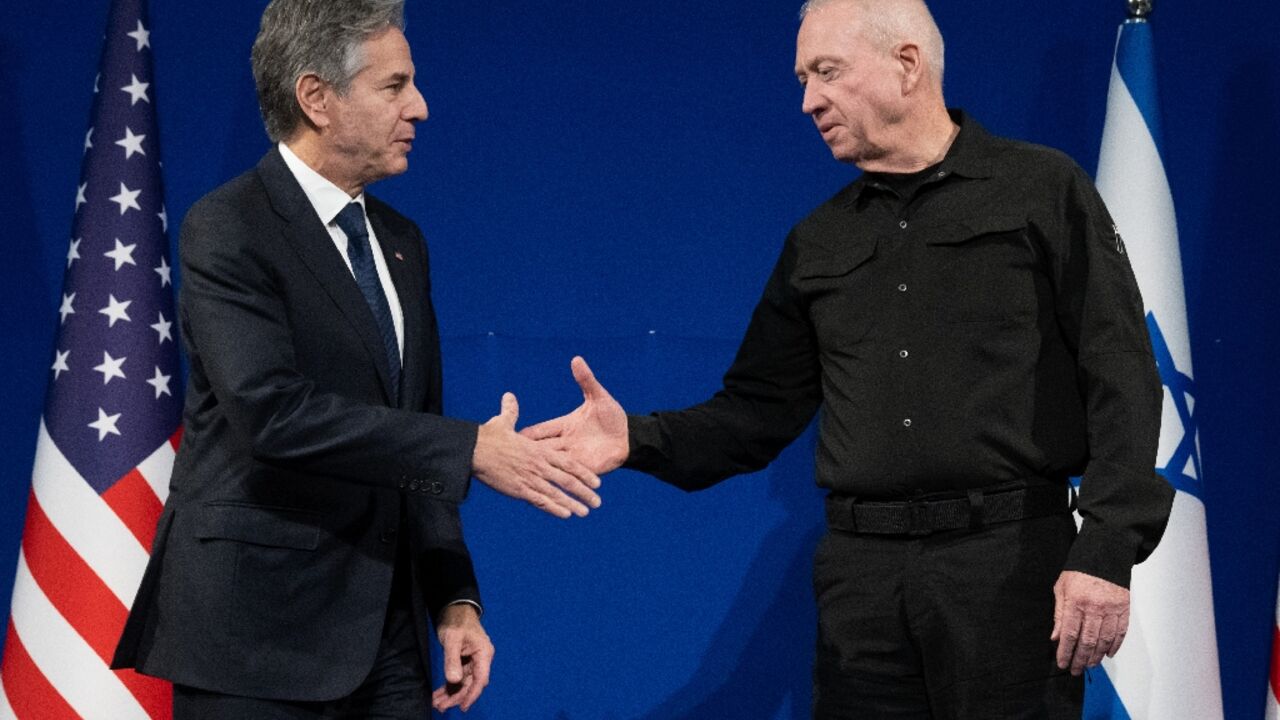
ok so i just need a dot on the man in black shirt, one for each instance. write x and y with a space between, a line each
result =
965 316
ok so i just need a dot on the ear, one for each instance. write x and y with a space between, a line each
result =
909 60
314 97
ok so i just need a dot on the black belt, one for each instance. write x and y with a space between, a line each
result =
924 517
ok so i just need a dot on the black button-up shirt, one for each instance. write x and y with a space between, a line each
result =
984 329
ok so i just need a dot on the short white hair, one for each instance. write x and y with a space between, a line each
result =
889 23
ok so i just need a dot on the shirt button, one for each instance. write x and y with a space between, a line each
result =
906 423
942 173
902 287
902 224
903 353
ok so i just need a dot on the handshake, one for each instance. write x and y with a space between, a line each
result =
555 465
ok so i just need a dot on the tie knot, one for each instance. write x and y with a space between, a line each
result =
351 220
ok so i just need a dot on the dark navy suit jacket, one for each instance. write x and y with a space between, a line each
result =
272 565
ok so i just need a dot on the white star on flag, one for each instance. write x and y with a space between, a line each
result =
105 424
131 143
161 383
96 79
88 140
116 310
164 220
127 199
162 329
110 368
165 272
137 90
80 195
73 252
142 35
60 363
66 308
122 254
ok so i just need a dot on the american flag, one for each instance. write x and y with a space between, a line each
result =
112 415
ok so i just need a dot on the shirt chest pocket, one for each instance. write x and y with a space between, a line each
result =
981 270
839 287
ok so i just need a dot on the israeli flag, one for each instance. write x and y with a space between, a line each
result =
1167 668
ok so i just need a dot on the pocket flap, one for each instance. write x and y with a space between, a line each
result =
259 525
836 261
970 228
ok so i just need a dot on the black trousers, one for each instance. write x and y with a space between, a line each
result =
396 688
945 627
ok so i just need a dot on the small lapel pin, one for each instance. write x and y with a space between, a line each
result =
399 256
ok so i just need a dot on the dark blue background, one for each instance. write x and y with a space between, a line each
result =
615 179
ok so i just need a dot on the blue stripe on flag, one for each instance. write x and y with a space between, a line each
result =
1181 390
1102 702
1136 62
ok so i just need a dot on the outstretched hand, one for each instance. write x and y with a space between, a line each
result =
542 474
595 434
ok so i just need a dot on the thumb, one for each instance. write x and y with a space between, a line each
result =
510 410
452 653
591 388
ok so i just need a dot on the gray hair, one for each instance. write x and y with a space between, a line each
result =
889 23
323 37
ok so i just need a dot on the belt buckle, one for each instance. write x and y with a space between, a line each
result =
917 518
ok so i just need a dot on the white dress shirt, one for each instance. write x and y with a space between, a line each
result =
329 200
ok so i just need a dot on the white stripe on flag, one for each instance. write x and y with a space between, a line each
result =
64 658
157 468
85 521
1162 670
1131 178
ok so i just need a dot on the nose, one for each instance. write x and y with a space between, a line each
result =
416 110
812 101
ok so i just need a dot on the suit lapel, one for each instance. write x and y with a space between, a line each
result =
397 255
313 244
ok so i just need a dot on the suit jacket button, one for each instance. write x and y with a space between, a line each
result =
414 484
437 488
388 536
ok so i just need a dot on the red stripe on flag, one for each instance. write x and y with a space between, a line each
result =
176 438
153 694
1275 663
29 692
85 602
73 588
136 504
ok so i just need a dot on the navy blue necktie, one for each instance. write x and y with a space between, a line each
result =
351 220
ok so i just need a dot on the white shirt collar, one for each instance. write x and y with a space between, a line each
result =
327 199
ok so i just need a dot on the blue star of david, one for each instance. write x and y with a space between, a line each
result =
1181 389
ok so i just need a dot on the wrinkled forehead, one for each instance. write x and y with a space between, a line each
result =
830 30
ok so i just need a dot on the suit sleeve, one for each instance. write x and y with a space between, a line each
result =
237 334
770 393
1123 502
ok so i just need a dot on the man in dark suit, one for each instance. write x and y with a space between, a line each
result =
312 527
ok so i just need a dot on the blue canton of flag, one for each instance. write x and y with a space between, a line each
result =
1167 668
112 413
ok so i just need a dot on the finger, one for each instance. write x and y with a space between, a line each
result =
545 501
1088 643
1068 635
510 410
1122 631
1106 639
548 486
480 662
451 650
567 486
1057 612
591 388
585 481
543 430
